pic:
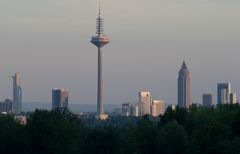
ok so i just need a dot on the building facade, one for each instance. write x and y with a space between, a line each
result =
207 100
126 109
21 119
136 110
157 108
60 98
223 93
6 106
232 98
145 102
17 95
184 97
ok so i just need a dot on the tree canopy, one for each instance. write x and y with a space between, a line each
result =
197 130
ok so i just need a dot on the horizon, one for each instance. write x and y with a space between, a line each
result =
50 48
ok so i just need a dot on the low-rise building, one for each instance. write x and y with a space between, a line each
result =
21 119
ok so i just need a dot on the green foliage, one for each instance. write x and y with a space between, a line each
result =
210 138
209 130
198 130
55 132
235 146
12 136
172 139
103 140
179 115
144 135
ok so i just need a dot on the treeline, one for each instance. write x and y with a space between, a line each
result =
198 130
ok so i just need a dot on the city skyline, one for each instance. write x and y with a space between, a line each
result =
35 39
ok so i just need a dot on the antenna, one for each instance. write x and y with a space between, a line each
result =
99 21
99 7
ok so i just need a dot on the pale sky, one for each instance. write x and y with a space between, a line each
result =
47 42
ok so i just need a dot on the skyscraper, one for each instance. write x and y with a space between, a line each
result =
17 94
135 109
223 93
145 102
184 97
126 109
99 41
232 98
60 98
207 100
157 108
6 106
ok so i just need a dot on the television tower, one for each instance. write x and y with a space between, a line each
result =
99 41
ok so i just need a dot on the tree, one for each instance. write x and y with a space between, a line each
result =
55 132
179 115
103 140
145 136
236 124
210 138
12 136
172 139
235 146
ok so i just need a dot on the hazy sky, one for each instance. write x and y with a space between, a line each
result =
47 42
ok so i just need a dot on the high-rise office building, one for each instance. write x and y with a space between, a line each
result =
232 98
223 93
135 110
157 108
142 108
118 111
207 100
60 98
126 109
184 97
17 95
6 106
99 41
145 102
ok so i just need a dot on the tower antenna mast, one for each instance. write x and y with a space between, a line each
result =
99 7
99 41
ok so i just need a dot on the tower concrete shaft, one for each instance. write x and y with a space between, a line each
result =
100 109
99 41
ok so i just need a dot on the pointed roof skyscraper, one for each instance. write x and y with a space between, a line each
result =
184 97
184 66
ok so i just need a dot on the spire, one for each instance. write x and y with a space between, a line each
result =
184 66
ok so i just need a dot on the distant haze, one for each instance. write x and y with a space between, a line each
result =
32 106
47 42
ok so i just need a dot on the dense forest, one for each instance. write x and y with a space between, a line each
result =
198 130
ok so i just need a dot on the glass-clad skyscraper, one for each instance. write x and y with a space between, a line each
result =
59 98
184 97
223 93
17 95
